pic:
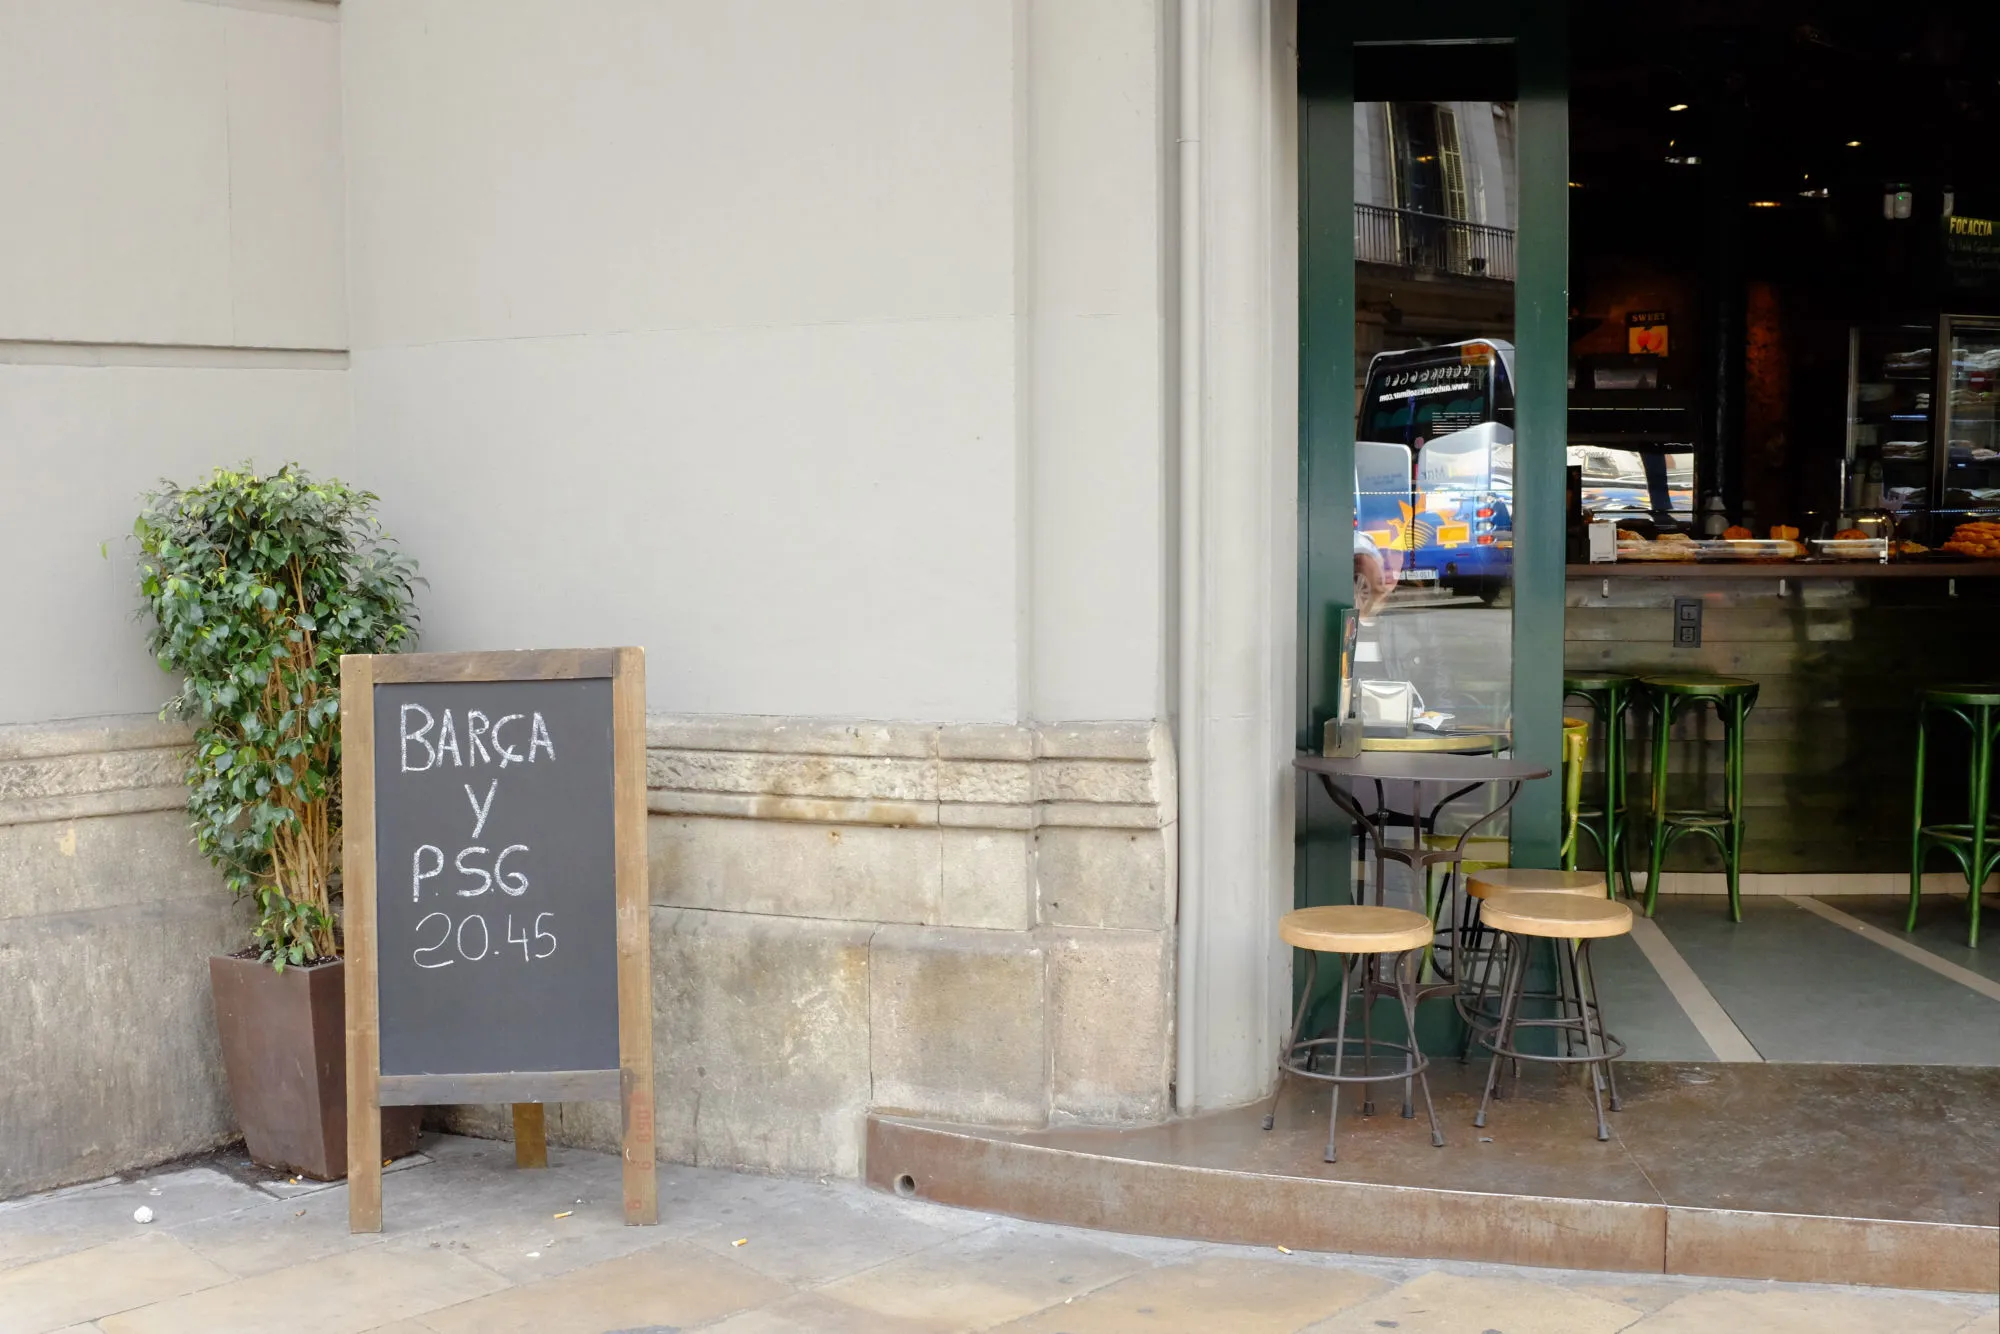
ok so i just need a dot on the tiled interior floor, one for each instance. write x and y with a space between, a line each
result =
1802 988
1800 985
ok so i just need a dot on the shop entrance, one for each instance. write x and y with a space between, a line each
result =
1772 336
1434 202
1516 269
1778 348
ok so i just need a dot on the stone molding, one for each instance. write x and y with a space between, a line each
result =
1113 775
117 765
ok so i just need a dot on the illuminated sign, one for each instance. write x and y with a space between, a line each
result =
1646 333
1971 252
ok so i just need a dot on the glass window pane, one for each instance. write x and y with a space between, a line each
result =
1435 192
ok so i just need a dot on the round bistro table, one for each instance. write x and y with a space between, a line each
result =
1459 776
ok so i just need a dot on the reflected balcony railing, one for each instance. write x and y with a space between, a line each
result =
1428 243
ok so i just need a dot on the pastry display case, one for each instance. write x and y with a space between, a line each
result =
1923 426
1890 462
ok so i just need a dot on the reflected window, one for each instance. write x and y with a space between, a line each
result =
1637 484
1434 197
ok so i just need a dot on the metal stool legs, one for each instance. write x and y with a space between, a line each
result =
1975 845
1359 979
1610 698
1600 1047
1724 827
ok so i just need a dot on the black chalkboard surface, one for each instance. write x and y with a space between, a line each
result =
496 928
495 878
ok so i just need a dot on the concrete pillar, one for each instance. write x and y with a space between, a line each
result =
1237 431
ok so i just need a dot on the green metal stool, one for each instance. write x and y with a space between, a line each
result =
1609 695
1976 843
1732 697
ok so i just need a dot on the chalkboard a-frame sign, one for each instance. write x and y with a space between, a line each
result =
494 869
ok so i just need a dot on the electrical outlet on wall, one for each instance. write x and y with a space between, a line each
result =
1687 622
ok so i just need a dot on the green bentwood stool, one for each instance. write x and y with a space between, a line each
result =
1732 698
1976 843
1609 695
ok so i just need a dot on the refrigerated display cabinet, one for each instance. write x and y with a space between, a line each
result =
1967 484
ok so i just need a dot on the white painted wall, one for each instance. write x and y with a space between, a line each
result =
173 179
814 347
81 444
818 348
1097 147
172 173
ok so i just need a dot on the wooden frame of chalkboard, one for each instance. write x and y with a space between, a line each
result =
622 863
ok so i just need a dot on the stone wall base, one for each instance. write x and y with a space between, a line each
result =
1015 969
958 923
107 918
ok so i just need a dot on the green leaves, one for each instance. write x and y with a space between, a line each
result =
255 586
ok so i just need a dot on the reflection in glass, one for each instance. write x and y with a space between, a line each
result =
1435 197
1635 484
1434 219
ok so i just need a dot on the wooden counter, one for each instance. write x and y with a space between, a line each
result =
1791 569
1841 651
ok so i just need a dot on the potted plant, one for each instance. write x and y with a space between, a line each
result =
255 586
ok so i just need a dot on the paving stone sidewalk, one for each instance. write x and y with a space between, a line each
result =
471 1244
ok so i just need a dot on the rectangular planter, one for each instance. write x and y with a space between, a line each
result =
284 1046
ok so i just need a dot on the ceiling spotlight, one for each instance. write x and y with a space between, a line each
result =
1678 106
1763 203
1854 143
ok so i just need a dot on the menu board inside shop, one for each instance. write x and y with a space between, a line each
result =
1971 253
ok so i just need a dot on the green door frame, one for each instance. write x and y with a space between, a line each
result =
1539 33
1541 421
1321 857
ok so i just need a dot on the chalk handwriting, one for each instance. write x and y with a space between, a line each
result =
485 880
475 735
519 884
480 812
483 744
421 950
450 937
508 755
430 751
418 874
447 741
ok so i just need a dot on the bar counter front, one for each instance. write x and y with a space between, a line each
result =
1840 650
